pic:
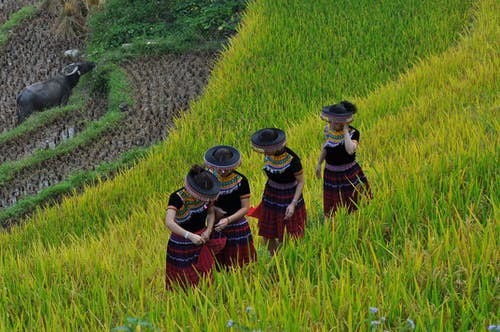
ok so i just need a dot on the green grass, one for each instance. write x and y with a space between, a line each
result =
109 78
75 181
117 95
424 249
41 119
160 26
15 20
245 73
175 26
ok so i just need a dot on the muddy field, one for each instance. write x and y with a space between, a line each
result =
8 7
33 53
163 86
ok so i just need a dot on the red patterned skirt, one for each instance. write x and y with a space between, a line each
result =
343 185
275 200
239 249
188 262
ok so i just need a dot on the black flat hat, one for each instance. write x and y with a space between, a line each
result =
223 157
268 140
336 113
206 193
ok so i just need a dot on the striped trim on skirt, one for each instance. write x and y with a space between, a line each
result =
343 186
275 200
239 249
187 262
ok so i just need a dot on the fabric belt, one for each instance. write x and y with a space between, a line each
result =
339 168
283 186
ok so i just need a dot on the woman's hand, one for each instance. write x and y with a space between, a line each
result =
349 144
219 213
321 159
196 239
290 209
221 224
206 235
318 171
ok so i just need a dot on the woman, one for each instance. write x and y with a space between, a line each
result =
282 206
190 218
232 205
343 179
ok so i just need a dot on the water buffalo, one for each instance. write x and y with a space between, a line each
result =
50 93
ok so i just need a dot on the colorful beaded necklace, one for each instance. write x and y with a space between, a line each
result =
191 205
333 137
277 164
229 183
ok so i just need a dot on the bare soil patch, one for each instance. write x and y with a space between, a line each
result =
163 86
9 7
33 53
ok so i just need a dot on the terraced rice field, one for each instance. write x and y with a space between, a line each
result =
163 86
422 255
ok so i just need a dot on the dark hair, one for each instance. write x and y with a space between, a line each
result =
350 107
278 152
222 154
201 177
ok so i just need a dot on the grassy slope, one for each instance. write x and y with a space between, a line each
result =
258 84
101 278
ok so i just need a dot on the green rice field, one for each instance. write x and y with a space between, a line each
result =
423 254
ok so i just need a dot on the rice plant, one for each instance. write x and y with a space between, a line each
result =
422 254
71 22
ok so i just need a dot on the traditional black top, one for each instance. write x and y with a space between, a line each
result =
335 146
191 214
283 168
233 188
